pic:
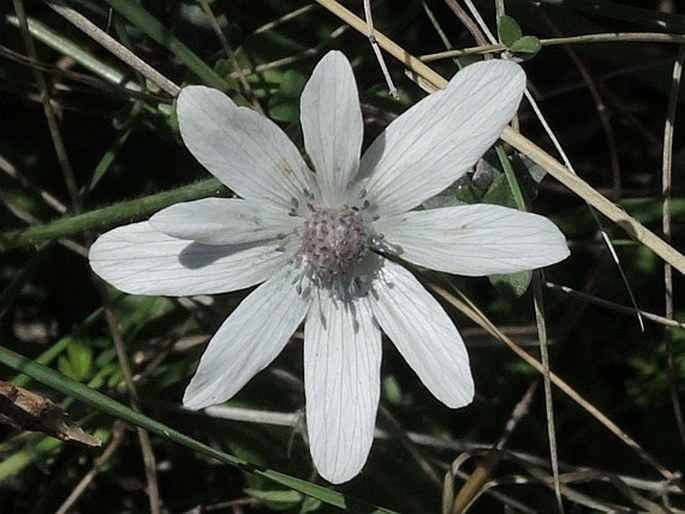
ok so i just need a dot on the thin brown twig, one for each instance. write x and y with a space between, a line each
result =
228 50
118 432
50 116
285 61
615 306
538 304
49 199
55 134
452 507
21 213
24 215
395 430
473 487
666 181
616 37
285 18
601 109
113 46
149 460
470 25
371 35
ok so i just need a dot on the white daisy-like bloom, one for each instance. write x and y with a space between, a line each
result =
323 246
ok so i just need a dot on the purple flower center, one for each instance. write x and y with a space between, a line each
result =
334 240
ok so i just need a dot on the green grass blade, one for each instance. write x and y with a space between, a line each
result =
66 46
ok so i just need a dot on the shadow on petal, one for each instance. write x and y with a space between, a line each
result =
198 255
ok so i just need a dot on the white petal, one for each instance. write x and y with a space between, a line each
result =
246 151
475 240
441 137
424 335
222 221
252 336
332 126
342 357
140 260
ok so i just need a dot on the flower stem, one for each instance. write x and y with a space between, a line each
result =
106 217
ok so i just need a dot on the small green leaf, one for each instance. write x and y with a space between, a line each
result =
509 30
499 193
276 500
467 193
224 68
512 283
392 390
34 453
525 45
106 373
284 105
76 364
65 367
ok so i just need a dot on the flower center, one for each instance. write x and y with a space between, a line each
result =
333 241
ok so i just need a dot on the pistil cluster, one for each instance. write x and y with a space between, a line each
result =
334 240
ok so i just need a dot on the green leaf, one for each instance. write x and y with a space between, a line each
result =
77 363
284 105
276 500
509 30
499 193
517 187
392 390
510 284
69 48
109 374
525 45
310 505
12 464
467 193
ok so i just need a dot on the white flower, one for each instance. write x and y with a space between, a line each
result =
317 242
